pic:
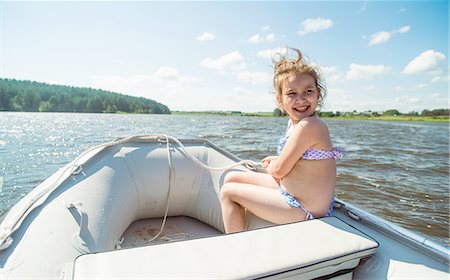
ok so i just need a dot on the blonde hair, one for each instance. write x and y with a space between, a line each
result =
285 67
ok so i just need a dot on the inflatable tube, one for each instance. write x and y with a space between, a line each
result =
89 211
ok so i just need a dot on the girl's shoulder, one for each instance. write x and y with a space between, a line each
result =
313 132
312 122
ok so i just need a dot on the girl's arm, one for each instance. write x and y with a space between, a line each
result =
307 133
266 161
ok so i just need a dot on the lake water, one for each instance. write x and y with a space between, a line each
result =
397 170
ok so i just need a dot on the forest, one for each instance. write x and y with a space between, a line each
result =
29 96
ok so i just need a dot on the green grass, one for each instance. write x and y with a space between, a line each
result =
405 118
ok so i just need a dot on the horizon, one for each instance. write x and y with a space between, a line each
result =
199 59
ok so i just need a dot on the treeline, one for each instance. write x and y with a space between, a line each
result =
30 96
390 112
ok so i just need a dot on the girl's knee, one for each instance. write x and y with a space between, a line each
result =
235 177
226 192
231 177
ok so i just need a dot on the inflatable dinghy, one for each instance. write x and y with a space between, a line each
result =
148 207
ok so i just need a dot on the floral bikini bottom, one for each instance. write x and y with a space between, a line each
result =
293 202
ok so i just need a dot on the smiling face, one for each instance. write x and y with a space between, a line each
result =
299 96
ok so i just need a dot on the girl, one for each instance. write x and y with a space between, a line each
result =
300 180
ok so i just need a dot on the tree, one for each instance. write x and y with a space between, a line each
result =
33 96
31 101
327 114
5 100
436 112
94 105
391 112
277 113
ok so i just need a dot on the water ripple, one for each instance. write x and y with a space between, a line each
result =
397 170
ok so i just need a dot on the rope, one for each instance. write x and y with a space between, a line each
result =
247 163
169 161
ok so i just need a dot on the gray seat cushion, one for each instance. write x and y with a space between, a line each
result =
307 249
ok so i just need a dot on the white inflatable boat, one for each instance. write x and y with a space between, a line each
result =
148 207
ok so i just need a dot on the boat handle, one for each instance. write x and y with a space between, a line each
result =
83 223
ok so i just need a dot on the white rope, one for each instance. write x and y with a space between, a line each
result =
169 161
74 168
247 163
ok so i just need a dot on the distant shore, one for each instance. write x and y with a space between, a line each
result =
223 113
395 118
405 118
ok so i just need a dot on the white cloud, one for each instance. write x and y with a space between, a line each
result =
436 95
384 36
339 99
114 82
379 37
366 72
314 25
223 99
429 61
440 79
138 84
261 38
244 100
270 37
167 73
207 36
255 78
271 53
421 85
332 73
404 29
233 61
258 38
406 99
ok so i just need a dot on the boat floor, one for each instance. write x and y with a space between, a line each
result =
140 232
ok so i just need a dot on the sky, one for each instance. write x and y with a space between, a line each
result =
211 55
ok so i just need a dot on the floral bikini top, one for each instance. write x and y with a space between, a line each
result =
311 153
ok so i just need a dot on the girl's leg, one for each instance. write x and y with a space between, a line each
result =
233 213
253 178
265 202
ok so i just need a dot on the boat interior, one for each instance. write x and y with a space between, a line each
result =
325 247
141 208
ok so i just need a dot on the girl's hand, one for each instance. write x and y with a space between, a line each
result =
266 161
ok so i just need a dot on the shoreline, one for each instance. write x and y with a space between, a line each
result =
401 118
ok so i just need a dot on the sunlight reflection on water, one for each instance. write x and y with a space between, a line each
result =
397 170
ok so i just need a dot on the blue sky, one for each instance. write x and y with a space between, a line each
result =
207 55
